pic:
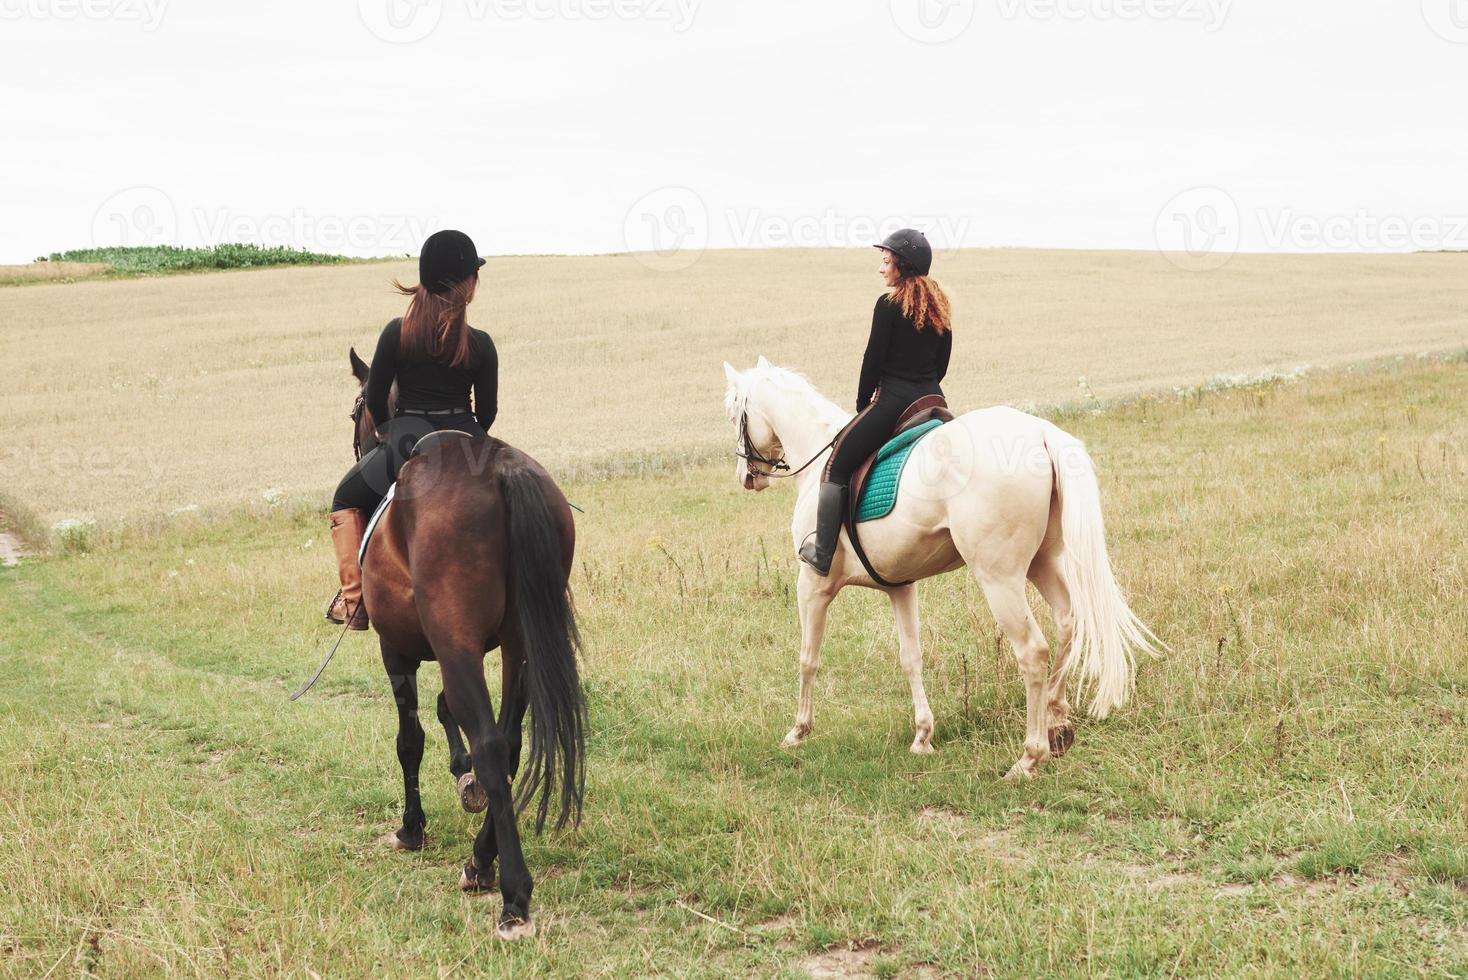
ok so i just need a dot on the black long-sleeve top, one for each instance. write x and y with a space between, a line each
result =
431 386
897 349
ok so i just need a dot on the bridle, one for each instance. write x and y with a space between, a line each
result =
779 469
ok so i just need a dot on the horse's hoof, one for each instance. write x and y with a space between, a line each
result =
796 735
919 747
405 841
1061 738
472 796
513 927
474 880
1019 774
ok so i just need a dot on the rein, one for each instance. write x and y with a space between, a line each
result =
356 417
751 456
329 654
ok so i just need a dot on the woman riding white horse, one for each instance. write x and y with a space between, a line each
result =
906 357
1008 494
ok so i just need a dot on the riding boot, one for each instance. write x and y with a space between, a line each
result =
346 537
830 509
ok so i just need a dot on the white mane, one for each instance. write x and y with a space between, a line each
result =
791 383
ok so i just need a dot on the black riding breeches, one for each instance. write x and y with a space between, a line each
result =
872 427
367 481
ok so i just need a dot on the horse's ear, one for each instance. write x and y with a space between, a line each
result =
731 375
763 364
359 367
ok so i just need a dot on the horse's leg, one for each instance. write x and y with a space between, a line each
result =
479 874
468 698
459 761
1045 573
813 599
910 653
403 673
471 795
512 700
1007 600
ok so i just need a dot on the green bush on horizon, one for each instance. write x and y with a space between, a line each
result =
155 259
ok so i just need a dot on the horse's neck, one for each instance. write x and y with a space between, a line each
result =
804 427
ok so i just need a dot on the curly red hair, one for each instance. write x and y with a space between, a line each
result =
924 302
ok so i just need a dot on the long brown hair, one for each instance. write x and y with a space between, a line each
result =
436 326
923 302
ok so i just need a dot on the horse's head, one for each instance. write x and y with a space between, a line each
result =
757 447
364 426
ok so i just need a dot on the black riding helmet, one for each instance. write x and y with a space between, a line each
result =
914 254
447 259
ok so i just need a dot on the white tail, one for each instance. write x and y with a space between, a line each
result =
1107 632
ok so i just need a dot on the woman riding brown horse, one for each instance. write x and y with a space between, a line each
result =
474 553
431 359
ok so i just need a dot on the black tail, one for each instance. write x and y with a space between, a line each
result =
542 601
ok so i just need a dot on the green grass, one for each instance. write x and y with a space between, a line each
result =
1286 795
154 260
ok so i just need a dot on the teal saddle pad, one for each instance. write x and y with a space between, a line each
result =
879 493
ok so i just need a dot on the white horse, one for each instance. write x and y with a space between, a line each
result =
1010 495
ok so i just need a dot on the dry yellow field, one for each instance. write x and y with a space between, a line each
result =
14 275
132 399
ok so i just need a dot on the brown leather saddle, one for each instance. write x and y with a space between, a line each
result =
925 409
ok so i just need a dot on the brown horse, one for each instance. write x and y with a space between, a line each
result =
475 553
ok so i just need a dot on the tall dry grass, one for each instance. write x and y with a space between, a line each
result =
36 272
131 399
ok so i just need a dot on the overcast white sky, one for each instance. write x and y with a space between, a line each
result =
604 125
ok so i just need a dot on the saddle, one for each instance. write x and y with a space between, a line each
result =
873 492
429 440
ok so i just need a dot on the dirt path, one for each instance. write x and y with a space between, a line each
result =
10 553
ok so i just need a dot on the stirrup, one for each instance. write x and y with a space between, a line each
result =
810 554
332 605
